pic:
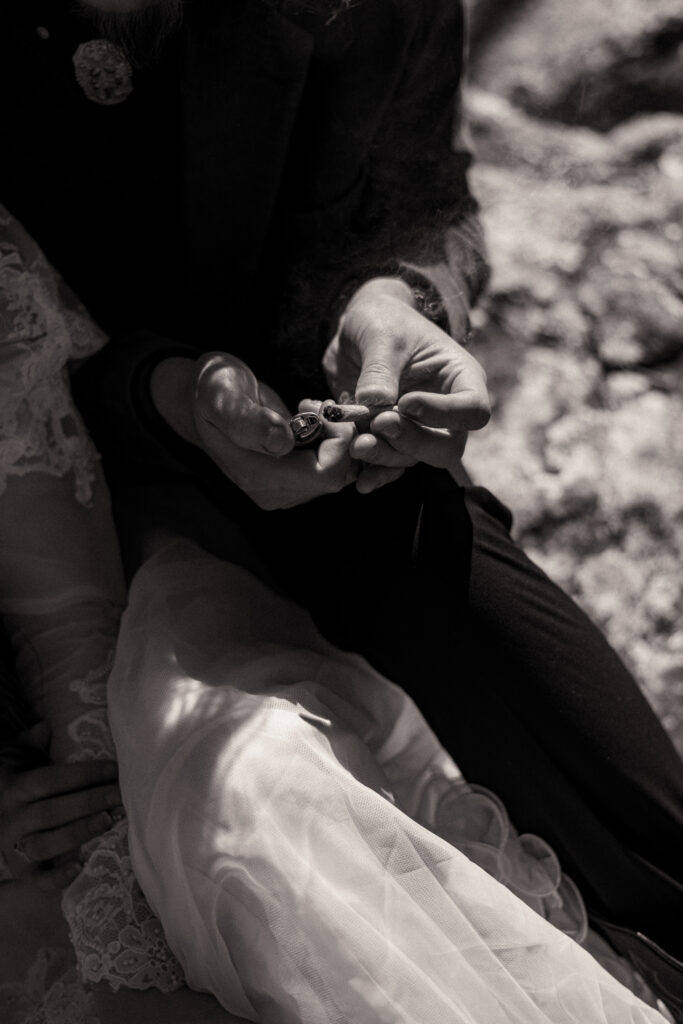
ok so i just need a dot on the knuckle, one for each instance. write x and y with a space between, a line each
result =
210 361
374 366
214 382
205 371
94 800
370 324
35 848
23 790
482 378
8 829
99 823
40 815
481 412
331 355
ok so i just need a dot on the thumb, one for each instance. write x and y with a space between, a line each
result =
229 401
380 372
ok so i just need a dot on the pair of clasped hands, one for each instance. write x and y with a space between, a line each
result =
423 389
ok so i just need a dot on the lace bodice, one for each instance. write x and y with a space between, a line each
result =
43 328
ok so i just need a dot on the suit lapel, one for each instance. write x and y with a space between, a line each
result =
244 70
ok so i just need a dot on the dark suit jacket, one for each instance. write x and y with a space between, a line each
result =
314 152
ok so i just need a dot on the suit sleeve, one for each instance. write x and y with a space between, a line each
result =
420 199
416 212
112 393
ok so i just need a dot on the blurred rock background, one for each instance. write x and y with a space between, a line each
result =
576 119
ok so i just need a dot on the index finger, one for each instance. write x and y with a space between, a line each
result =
54 780
468 409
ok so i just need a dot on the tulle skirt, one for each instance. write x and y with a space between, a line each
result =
313 853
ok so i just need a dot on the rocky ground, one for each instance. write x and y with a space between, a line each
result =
576 118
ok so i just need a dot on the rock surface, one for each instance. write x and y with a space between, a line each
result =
581 334
585 62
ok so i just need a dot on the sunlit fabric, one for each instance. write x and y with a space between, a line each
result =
293 820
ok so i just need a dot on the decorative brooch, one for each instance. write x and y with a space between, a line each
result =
103 72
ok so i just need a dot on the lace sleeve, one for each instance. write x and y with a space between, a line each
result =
62 590
42 328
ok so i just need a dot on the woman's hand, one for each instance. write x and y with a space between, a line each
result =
47 813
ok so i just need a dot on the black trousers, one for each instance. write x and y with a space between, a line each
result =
423 579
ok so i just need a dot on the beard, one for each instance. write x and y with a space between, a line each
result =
142 33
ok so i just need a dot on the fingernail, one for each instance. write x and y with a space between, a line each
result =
118 814
276 442
392 430
375 399
415 409
367 451
113 798
100 823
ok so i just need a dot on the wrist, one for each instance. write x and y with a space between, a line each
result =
171 387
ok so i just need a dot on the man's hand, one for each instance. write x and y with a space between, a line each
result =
391 358
47 813
243 425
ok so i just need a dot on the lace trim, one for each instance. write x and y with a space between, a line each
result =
92 689
116 936
51 993
42 328
90 731
91 735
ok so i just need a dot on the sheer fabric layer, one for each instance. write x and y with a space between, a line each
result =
295 824
43 328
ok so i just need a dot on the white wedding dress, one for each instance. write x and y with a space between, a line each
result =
307 844
312 853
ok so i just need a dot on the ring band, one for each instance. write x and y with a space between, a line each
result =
21 852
